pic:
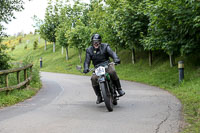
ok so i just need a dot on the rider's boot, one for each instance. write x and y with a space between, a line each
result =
98 93
119 89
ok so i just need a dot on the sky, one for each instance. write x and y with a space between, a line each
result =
23 22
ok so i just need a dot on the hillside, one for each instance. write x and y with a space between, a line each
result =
159 74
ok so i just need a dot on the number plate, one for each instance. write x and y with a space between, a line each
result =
100 71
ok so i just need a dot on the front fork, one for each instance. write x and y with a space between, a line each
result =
104 79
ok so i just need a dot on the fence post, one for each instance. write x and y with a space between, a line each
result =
6 80
25 76
30 74
18 77
7 83
25 83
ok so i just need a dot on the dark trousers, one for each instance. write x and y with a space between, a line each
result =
110 70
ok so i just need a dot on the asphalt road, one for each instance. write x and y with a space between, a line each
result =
66 104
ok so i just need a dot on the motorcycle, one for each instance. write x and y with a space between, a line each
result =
108 89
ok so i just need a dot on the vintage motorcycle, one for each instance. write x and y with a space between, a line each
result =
108 89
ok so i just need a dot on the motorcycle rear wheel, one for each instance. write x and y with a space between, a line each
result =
107 97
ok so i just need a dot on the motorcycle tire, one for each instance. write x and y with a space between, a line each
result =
107 98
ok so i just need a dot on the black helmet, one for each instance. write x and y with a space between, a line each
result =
96 37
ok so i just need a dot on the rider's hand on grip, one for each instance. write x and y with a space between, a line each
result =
85 71
117 61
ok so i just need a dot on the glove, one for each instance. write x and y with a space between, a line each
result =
85 71
117 61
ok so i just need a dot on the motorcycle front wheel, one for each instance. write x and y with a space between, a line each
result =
106 96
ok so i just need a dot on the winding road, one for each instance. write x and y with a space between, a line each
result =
66 104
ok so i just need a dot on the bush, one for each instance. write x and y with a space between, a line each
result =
20 40
13 48
35 45
25 47
35 81
4 58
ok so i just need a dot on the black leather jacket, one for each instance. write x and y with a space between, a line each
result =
99 56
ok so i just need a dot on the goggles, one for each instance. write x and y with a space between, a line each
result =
96 42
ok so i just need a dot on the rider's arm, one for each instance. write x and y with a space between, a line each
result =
112 54
87 60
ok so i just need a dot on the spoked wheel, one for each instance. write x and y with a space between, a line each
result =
106 96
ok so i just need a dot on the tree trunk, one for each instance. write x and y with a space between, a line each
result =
67 56
80 52
133 56
62 51
171 59
150 58
54 47
45 46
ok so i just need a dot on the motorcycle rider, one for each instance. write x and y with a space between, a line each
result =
99 53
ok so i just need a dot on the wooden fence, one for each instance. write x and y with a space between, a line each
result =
17 70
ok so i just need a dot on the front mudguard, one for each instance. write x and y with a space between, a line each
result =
102 80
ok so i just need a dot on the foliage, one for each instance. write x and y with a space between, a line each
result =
7 9
96 17
35 81
11 42
13 48
20 95
130 23
174 26
171 26
65 25
25 47
60 36
4 58
48 28
37 23
78 37
35 45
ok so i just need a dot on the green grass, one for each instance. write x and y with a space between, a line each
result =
160 74
19 95
16 96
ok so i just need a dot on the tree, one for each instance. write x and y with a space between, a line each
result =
61 38
7 9
173 27
79 34
78 37
48 29
40 28
130 23
65 25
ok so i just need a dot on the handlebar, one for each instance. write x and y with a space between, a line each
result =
93 69
111 63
